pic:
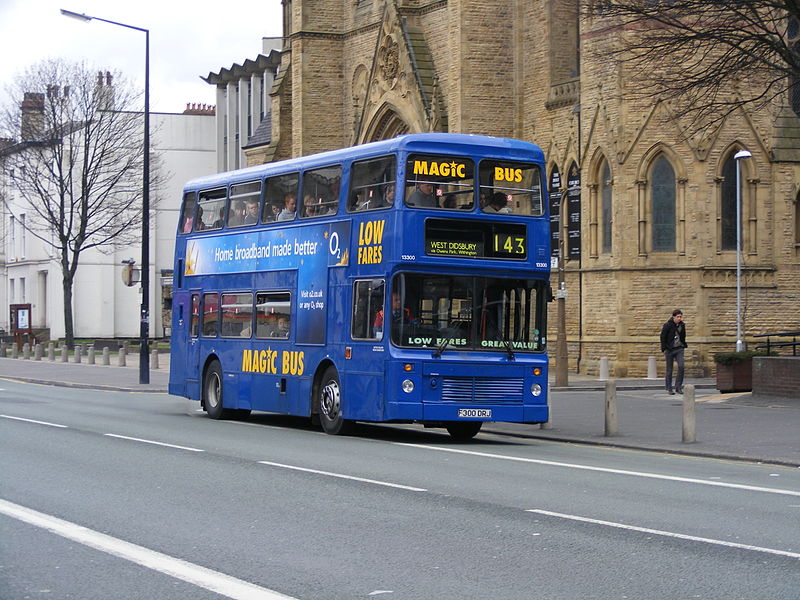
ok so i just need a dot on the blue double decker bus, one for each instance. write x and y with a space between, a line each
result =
403 280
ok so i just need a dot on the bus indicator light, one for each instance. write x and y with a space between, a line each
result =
537 371
408 367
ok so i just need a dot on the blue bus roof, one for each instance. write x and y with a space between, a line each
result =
460 143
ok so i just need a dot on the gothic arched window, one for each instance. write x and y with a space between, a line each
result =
663 204
728 205
606 205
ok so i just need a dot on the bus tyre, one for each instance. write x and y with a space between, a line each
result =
464 430
329 401
212 392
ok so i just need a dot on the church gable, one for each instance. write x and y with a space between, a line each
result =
401 94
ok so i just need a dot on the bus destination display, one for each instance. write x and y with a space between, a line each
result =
475 239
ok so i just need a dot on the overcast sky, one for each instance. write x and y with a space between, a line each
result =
187 40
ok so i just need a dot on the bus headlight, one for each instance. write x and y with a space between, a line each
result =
536 389
408 386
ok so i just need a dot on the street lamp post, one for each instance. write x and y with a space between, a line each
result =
144 318
741 154
562 369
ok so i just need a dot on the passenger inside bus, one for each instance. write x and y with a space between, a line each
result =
188 215
289 208
281 327
251 212
422 196
498 203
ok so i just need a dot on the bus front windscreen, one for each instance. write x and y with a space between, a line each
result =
458 313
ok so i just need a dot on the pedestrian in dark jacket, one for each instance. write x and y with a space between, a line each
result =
673 341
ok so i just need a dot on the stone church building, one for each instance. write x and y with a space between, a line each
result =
652 226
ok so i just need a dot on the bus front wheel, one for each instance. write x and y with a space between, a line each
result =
329 400
212 392
464 430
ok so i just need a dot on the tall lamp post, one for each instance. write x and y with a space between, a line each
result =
144 321
562 370
741 154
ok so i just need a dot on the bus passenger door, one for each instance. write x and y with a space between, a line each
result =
365 377
193 374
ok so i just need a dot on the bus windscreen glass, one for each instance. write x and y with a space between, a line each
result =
467 313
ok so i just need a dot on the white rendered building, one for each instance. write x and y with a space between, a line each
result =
103 306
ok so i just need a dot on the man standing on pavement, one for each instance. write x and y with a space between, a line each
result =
673 341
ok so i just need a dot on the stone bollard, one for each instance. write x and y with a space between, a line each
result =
154 359
38 350
26 351
652 371
51 352
14 351
689 434
612 422
2 349
78 351
90 356
106 356
603 367
123 350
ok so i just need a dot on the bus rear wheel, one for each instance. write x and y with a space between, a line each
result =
464 430
212 392
329 401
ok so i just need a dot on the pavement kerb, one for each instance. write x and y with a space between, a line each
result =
601 385
85 386
641 447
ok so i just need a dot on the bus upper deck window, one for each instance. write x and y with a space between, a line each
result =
443 182
372 184
210 210
507 187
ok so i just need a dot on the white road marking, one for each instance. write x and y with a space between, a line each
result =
219 583
133 439
33 421
551 463
680 536
341 476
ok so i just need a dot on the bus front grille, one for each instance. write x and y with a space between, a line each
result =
482 390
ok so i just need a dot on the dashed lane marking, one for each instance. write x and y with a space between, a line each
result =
214 581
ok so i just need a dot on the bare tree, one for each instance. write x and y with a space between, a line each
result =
77 164
710 57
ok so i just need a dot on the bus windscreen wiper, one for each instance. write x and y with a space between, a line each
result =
508 347
440 349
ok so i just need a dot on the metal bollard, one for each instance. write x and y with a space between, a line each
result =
78 351
121 356
38 349
612 422
51 352
603 367
106 356
154 359
2 349
90 356
26 351
689 435
652 371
